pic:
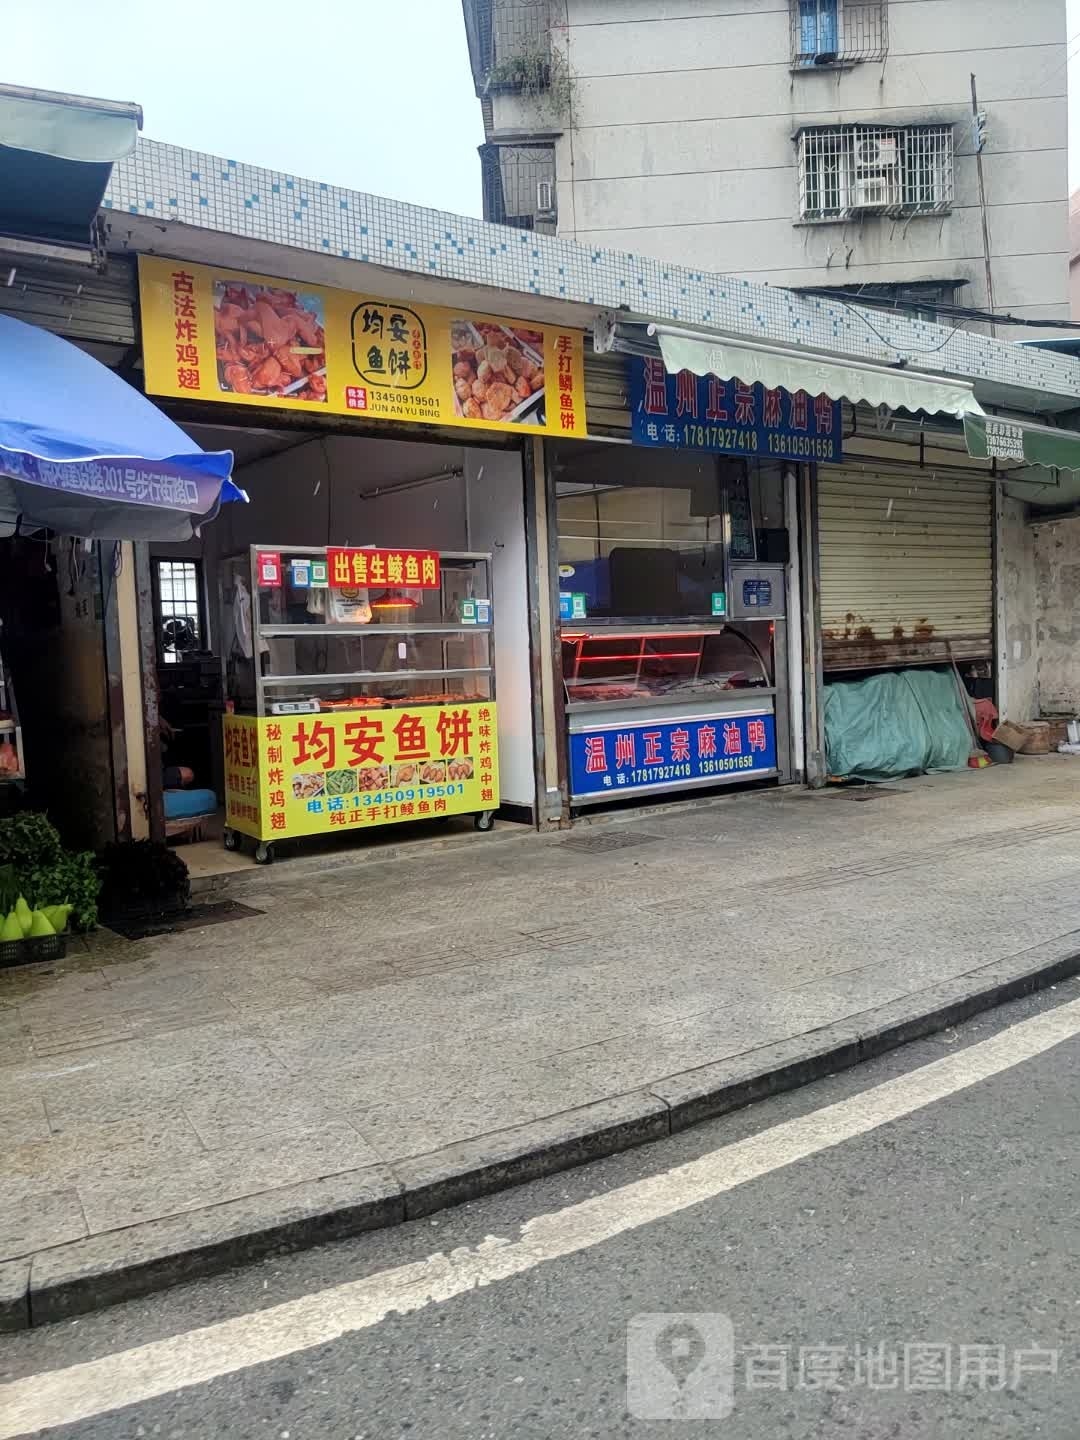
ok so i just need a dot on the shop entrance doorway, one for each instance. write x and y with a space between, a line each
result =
342 491
673 579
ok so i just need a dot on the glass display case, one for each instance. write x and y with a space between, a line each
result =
325 647
614 665
356 697
668 706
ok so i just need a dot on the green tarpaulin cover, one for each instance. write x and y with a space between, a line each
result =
902 722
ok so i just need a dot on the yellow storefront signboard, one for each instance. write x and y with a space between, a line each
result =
314 774
211 334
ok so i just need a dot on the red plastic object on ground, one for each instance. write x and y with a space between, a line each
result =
986 718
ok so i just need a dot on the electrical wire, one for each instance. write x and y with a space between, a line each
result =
892 345
940 308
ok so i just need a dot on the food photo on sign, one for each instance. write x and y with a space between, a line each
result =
498 372
269 341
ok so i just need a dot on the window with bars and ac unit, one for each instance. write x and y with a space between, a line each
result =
850 170
519 186
838 32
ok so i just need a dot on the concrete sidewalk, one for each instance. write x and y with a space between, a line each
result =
394 1036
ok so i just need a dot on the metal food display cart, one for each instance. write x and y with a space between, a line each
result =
360 689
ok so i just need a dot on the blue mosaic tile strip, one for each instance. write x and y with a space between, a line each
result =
244 200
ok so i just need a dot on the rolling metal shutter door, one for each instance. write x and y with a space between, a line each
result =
607 394
73 301
906 568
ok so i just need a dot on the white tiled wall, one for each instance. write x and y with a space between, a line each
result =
170 183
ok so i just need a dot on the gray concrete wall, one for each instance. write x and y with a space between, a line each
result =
1017 647
679 142
1057 590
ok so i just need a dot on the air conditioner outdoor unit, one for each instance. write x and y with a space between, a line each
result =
881 153
872 192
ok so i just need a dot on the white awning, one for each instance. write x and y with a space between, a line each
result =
778 368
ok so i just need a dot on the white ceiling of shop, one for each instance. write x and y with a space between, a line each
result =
371 463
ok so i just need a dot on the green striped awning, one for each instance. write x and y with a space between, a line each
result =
989 437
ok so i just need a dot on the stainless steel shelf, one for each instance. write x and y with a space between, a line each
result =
363 677
440 640
322 632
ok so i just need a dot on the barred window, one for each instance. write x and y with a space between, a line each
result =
519 186
831 32
509 44
178 596
848 170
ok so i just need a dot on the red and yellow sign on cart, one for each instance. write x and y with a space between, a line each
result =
416 569
312 774
224 335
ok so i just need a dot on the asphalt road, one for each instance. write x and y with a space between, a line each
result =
894 1252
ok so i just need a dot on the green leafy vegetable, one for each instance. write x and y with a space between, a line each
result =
72 880
28 841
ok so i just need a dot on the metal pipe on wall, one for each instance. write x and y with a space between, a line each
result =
796 690
810 566
455 473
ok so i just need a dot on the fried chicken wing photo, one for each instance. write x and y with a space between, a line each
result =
269 341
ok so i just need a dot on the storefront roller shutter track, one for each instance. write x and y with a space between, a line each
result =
906 568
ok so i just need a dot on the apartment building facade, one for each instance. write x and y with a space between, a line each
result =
808 144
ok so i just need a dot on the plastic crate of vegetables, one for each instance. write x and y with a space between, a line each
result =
29 936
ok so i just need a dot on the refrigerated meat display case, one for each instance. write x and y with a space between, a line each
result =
663 706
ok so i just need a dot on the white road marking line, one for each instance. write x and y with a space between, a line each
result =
63 1397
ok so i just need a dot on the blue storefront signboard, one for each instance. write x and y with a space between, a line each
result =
702 412
613 759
